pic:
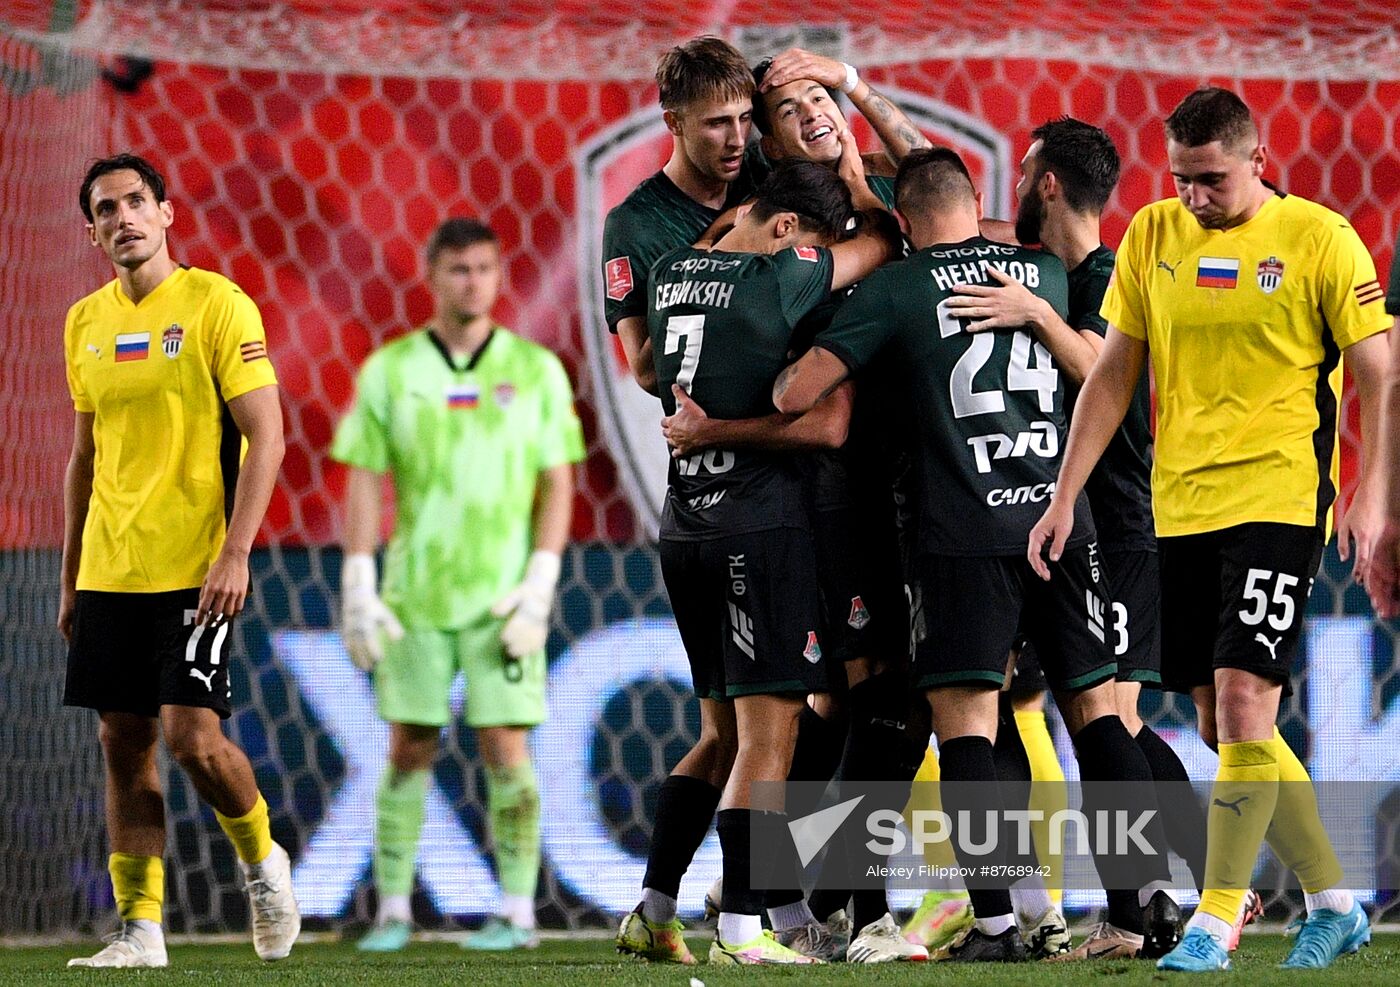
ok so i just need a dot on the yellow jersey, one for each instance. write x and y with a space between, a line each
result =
157 377
1245 329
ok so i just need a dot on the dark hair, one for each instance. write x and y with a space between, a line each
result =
931 179
458 234
815 193
151 178
1082 157
761 120
1213 114
703 68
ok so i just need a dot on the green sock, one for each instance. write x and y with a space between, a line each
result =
513 802
398 821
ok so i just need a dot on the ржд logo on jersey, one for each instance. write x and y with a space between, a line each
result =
1042 439
618 274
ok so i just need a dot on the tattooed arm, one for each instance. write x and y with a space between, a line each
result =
898 133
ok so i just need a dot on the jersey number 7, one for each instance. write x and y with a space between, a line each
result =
692 329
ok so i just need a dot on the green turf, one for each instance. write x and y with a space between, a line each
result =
593 962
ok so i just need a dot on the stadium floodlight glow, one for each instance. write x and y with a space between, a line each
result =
1351 741
1349 744
581 848
451 867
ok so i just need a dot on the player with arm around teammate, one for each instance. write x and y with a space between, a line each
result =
735 548
1067 176
965 394
706 93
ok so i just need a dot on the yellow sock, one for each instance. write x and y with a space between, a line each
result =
1297 834
250 834
1047 792
924 796
138 884
1242 805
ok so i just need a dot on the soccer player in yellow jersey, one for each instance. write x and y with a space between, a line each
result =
169 375
1245 299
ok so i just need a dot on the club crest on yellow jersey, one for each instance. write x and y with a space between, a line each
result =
1270 275
172 340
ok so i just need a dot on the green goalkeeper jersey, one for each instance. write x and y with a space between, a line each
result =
464 442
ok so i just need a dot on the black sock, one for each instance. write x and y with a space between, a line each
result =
1124 910
815 757
1186 823
734 825
785 884
880 750
1116 778
684 809
817 751
968 785
824 901
1014 776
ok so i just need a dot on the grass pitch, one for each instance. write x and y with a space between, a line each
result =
593 961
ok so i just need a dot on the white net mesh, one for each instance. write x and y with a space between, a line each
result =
311 148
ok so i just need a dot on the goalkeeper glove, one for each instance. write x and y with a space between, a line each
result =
528 606
365 620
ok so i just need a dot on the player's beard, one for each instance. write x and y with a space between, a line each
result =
1029 213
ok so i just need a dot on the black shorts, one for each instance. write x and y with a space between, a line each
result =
865 609
1134 626
972 611
137 652
1235 598
748 611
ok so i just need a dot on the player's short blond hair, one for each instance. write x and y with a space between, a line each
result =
703 68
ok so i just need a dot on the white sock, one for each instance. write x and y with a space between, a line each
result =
657 907
735 929
150 931
394 908
1145 893
519 909
1030 900
1338 899
1217 927
793 916
995 925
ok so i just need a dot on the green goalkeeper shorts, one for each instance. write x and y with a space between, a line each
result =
414 681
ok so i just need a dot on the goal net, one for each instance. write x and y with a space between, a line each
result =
311 147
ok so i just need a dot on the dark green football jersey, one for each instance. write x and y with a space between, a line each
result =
986 410
721 326
1120 487
655 218
882 186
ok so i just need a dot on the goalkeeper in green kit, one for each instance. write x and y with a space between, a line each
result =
477 431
